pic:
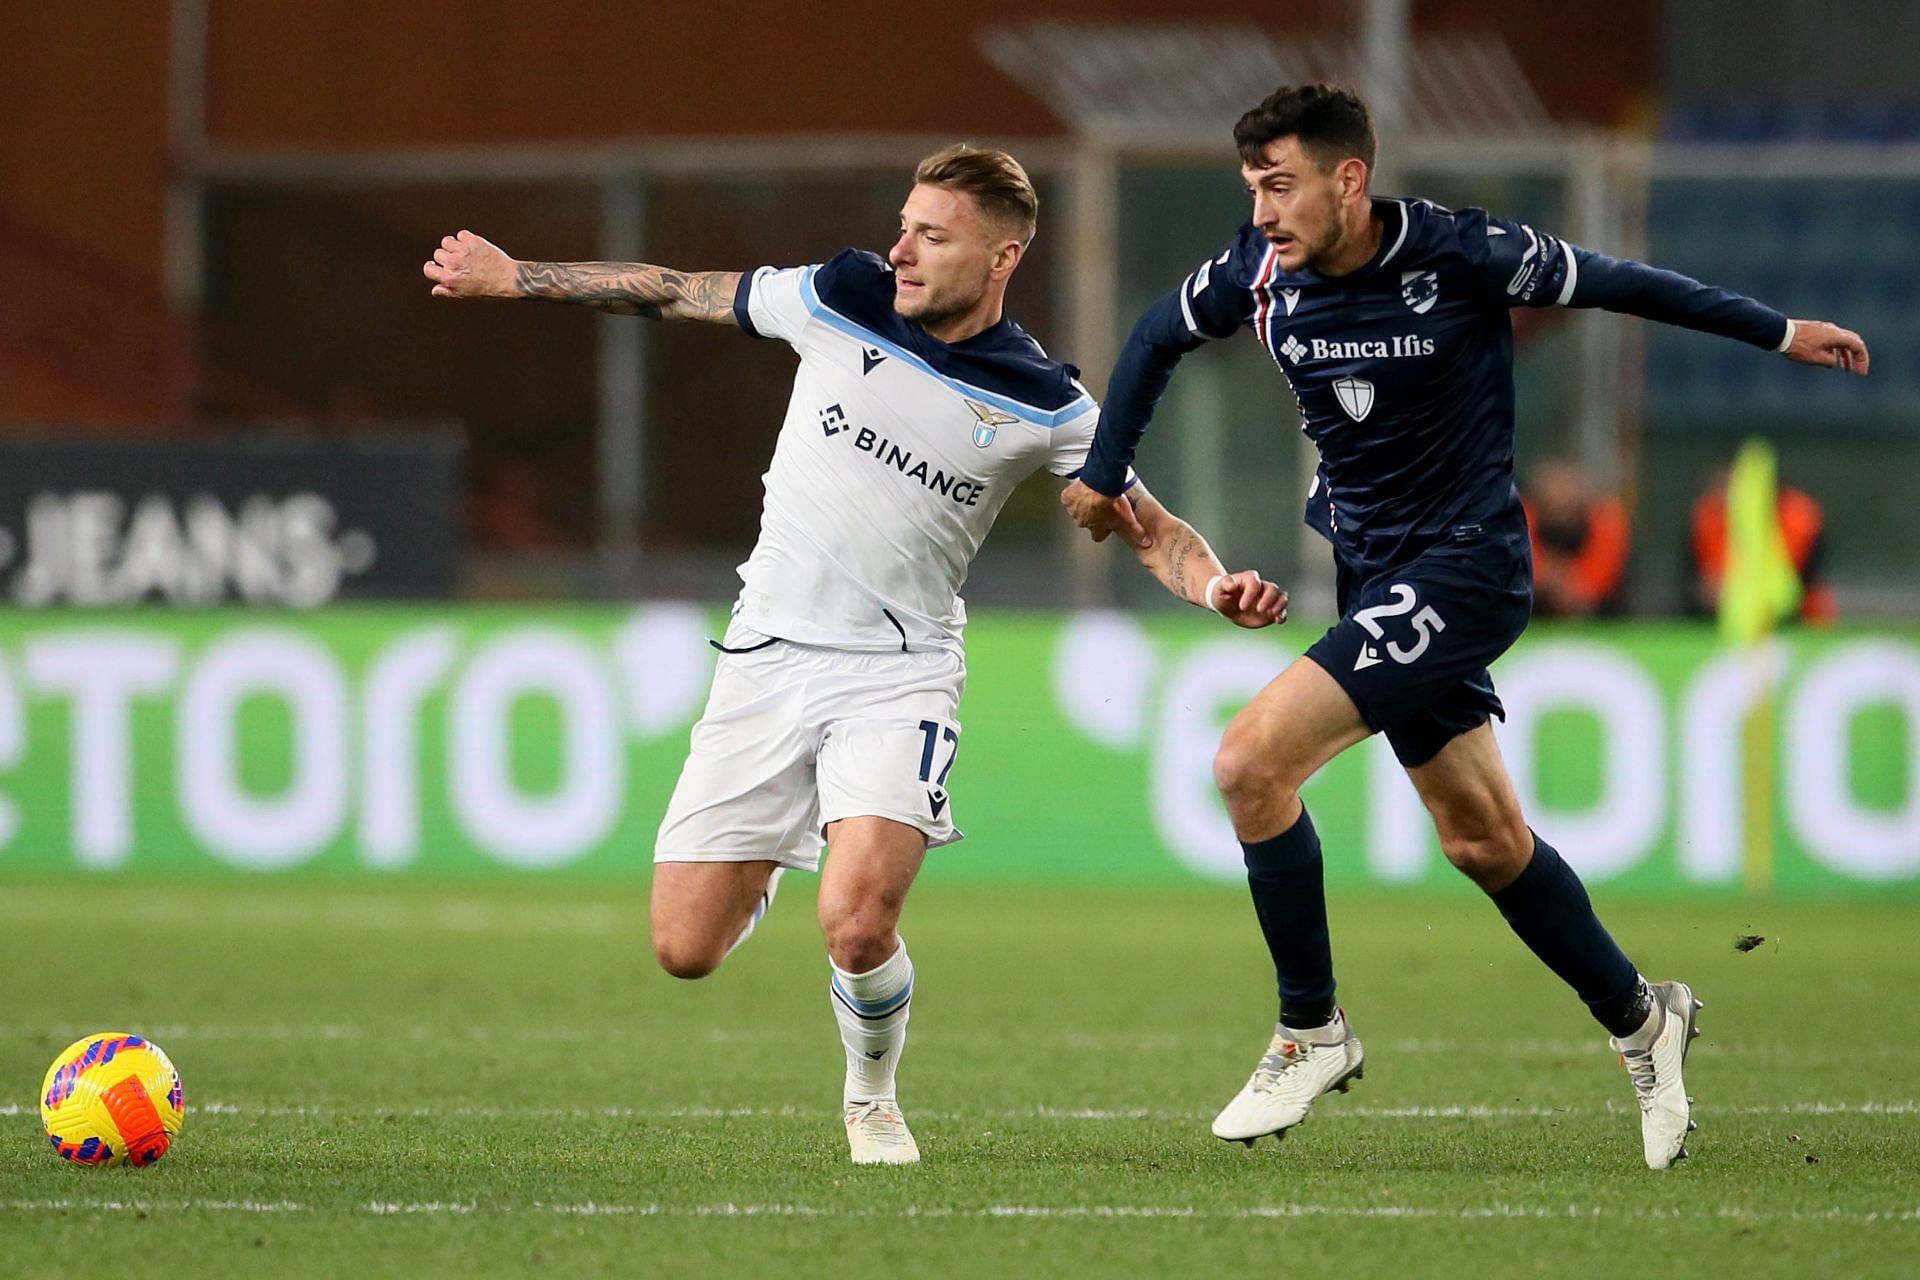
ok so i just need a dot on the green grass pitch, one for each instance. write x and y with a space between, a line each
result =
494 1080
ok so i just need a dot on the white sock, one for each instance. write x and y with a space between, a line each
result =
872 1009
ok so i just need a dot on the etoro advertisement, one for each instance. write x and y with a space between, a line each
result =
399 741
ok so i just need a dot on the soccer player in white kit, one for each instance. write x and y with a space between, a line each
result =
916 410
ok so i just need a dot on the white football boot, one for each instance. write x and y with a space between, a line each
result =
1297 1068
877 1134
1653 1058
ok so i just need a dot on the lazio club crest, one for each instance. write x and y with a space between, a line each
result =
991 420
1420 290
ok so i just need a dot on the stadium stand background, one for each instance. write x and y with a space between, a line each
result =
308 317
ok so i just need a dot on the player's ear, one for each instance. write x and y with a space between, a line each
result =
1006 256
1353 178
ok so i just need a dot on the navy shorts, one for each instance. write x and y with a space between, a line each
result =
1412 646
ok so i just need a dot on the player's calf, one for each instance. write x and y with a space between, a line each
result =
1476 814
702 910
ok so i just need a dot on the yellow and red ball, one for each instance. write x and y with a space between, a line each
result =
112 1098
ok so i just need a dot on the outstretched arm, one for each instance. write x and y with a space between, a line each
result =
1635 288
1099 498
470 266
1539 270
1183 562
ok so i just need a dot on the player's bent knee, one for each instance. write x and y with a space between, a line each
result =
1489 861
859 940
1243 770
1236 765
687 957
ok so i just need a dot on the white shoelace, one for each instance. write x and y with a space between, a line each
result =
1267 1077
1642 1071
880 1121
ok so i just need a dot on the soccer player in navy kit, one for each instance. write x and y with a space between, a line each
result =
1389 319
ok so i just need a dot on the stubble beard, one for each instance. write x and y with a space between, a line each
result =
936 308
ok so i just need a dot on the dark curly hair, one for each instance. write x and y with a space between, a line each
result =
1329 119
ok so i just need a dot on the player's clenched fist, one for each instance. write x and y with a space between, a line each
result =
1101 515
1246 601
470 266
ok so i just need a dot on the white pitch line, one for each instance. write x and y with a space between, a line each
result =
333 1032
155 1206
1471 1213
1361 1112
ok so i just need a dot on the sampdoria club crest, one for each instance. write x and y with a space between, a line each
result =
1420 290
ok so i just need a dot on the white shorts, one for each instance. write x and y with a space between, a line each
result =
795 737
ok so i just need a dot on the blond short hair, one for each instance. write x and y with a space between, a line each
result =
993 178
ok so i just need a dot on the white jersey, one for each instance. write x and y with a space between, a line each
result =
897 452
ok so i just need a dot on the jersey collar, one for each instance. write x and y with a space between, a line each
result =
992 338
1394 221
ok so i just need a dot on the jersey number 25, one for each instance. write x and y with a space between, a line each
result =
1426 623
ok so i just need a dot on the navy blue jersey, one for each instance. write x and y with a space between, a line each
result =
1403 369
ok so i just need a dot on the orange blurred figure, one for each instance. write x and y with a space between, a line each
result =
1580 543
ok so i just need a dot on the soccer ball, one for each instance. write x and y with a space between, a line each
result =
110 1098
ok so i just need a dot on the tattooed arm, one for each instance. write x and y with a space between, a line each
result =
632 289
469 266
1179 556
1186 566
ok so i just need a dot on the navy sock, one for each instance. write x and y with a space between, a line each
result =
1289 896
1548 907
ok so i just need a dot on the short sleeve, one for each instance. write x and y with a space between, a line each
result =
1067 451
773 302
1517 264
